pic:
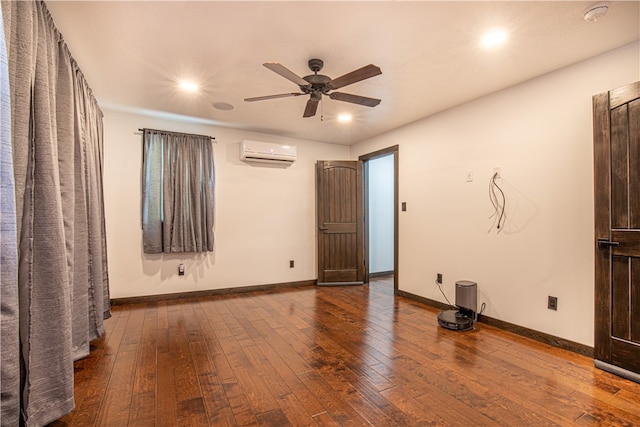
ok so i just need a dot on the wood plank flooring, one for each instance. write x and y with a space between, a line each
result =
331 356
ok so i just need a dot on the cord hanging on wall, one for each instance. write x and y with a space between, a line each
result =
498 200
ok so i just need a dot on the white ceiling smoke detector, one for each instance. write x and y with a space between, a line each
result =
595 12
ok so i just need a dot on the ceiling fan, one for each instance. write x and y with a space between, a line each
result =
317 85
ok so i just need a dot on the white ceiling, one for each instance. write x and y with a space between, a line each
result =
133 53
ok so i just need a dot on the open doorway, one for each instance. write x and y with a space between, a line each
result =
380 208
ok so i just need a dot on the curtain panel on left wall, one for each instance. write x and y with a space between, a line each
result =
60 240
9 341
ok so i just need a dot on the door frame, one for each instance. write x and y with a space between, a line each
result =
395 150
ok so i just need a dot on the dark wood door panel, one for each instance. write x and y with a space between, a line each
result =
340 276
624 95
625 355
628 243
339 191
634 302
619 168
620 319
340 222
343 245
602 202
633 133
625 165
616 139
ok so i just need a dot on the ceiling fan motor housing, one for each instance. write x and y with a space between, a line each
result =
319 83
315 64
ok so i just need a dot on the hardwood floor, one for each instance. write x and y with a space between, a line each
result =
331 356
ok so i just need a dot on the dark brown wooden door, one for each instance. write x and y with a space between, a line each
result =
617 229
340 222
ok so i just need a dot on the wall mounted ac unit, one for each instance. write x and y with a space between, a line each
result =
266 152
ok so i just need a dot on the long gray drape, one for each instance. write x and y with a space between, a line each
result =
62 280
9 342
178 192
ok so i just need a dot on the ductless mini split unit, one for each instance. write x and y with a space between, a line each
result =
266 152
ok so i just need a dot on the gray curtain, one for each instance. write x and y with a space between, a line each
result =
178 192
62 277
9 341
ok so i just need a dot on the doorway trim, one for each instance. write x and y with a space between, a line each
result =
395 150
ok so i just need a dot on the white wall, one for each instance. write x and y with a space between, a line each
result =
540 134
380 198
265 215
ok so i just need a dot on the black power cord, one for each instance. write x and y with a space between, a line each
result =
498 205
443 294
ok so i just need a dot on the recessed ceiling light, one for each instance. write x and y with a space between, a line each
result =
188 86
224 106
344 117
494 38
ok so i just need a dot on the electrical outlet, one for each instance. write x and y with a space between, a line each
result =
181 270
291 263
439 278
552 303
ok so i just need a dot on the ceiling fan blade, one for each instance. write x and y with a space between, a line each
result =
311 108
286 73
355 99
355 76
262 98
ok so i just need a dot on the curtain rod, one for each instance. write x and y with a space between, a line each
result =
181 133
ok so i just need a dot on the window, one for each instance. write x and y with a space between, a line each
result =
177 192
